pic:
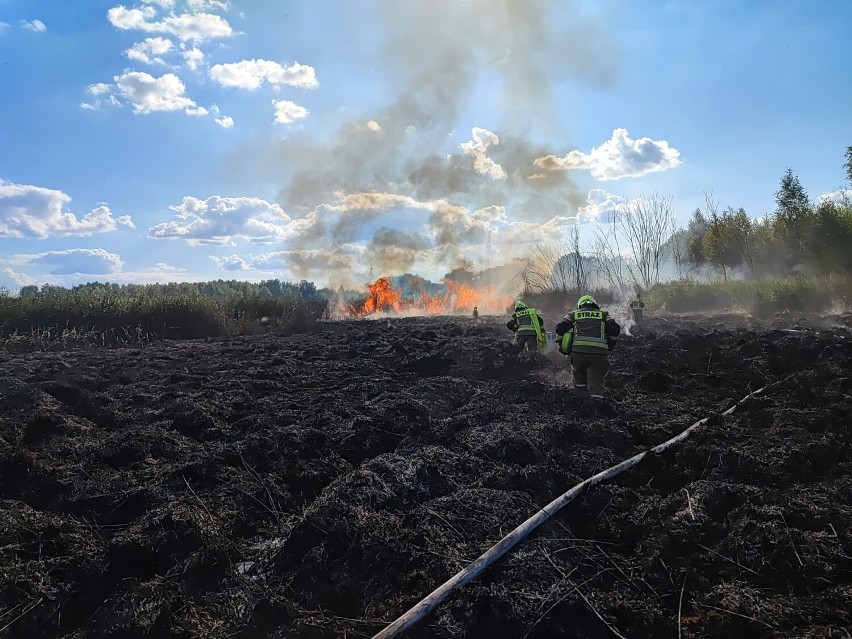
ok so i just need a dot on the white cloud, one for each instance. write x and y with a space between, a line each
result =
602 204
99 89
149 50
72 261
204 5
147 93
162 267
186 27
287 112
840 196
34 25
4 26
194 58
226 121
372 125
250 74
165 4
218 220
619 157
477 148
231 263
15 278
126 220
36 212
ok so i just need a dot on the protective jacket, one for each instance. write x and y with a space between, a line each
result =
527 322
587 330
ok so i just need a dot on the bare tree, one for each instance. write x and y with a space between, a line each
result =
679 250
557 266
576 261
545 271
607 251
646 225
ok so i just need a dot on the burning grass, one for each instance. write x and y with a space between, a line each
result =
457 299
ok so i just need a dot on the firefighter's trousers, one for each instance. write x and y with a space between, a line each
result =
526 340
589 370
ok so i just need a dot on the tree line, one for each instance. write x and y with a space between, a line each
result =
640 245
226 289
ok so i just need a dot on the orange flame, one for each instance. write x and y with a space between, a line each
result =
383 297
458 298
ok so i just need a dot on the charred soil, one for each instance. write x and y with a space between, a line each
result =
319 484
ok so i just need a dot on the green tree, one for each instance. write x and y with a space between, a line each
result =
792 216
848 164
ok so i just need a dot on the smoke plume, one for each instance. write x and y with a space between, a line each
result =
398 181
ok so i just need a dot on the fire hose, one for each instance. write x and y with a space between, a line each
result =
472 570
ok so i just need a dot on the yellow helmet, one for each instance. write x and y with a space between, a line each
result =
586 300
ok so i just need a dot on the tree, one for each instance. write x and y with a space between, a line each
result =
307 290
791 197
848 164
646 224
792 215
609 260
576 260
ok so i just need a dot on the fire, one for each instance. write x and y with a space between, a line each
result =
458 298
382 297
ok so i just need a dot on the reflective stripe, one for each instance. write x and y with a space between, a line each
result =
533 326
597 396
591 344
580 385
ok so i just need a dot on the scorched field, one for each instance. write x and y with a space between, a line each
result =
320 484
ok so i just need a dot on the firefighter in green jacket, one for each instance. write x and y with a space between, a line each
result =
587 335
528 327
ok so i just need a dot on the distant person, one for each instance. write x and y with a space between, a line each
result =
587 335
638 308
475 312
528 327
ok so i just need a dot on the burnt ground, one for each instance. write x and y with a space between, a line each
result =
317 485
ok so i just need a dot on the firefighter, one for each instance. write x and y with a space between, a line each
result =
475 312
638 308
528 327
587 335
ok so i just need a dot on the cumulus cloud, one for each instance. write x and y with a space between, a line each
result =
226 121
34 25
162 267
251 74
149 50
15 279
477 148
188 27
219 220
231 263
165 4
619 157
205 5
287 112
840 196
601 205
372 125
147 94
28 211
193 58
73 261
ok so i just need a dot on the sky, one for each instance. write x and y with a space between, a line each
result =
342 140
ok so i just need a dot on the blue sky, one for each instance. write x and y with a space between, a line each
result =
337 141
